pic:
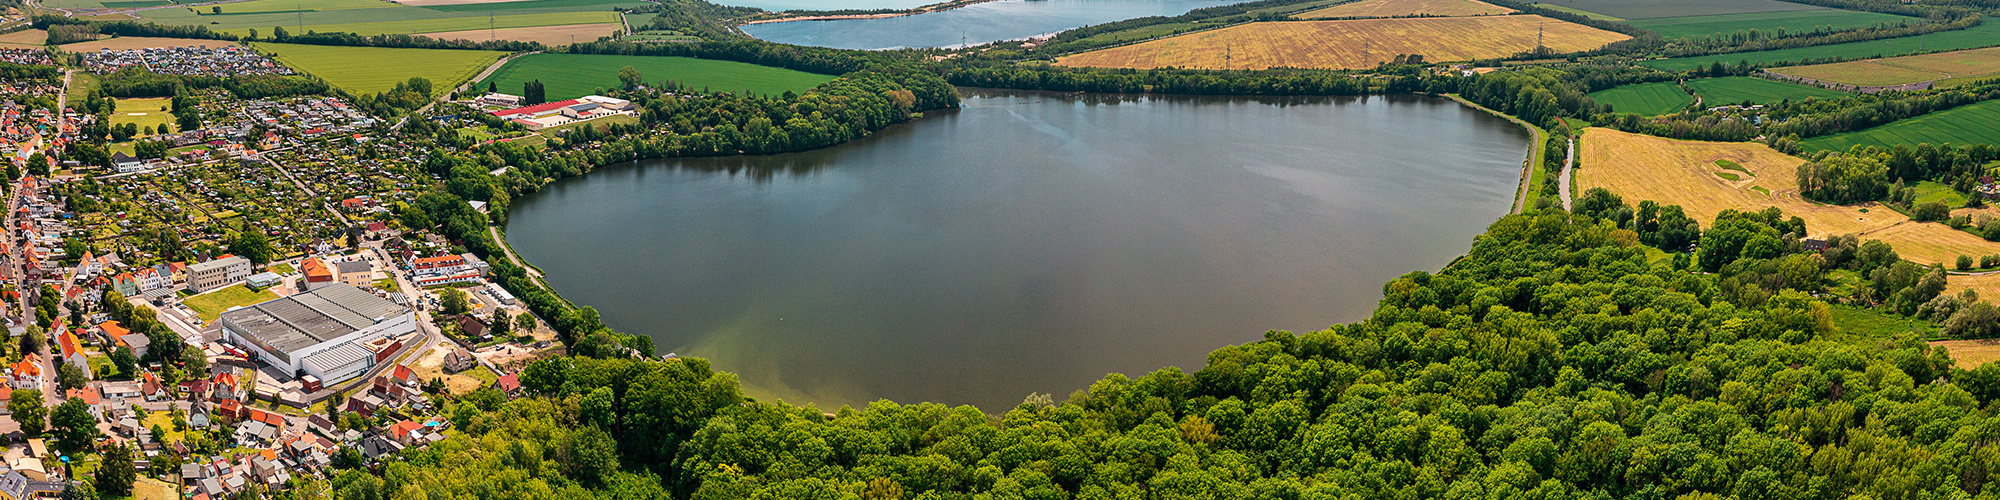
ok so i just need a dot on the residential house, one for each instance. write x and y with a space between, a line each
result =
357 272
509 384
27 374
316 271
71 352
124 389
217 273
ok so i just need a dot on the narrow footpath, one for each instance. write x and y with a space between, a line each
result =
509 249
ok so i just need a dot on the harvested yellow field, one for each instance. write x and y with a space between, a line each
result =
1348 44
1969 354
547 35
1973 64
140 42
1641 167
1988 286
24 38
1393 8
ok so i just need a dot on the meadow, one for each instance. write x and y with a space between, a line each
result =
1349 44
425 26
1647 9
1791 21
376 69
1972 124
1657 98
24 39
144 112
1640 167
1964 64
1986 34
1740 89
1392 8
567 76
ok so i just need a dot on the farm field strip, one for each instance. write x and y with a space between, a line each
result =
567 76
1739 89
1986 34
25 38
378 69
419 26
140 42
1348 44
1794 21
1967 64
1392 8
535 5
1647 9
1656 98
547 35
1584 13
1971 124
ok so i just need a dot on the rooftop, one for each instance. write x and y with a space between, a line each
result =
294 322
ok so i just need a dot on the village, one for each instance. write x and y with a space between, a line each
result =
128 297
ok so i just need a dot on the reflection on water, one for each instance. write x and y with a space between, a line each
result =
1029 242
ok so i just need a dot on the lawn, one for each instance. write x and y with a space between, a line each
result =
1964 125
145 112
283 270
1657 98
1791 21
1349 44
1986 34
1740 89
378 69
211 305
387 285
80 85
1871 324
1964 65
1928 192
599 123
567 76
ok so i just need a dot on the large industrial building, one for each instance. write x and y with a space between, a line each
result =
320 332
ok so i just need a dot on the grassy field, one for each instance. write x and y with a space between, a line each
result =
547 35
1986 34
1792 21
1968 64
1871 324
532 6
575 75
1592 15
294 6
1646 9
372 17
421 26
1928 191
145 112
1639 167
1353 44
1392 8
377 69
211 305
1973 124
1740 89
1657 98
24 39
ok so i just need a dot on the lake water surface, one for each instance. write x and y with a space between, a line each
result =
973 25
1026 243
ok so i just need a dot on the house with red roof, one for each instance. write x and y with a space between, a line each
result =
26 374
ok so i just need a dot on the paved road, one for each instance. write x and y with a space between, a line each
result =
1568 162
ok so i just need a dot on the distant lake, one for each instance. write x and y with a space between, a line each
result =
977 24
1029 242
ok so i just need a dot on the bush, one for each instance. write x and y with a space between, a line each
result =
1964 262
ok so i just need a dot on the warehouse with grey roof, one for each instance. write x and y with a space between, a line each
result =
319 332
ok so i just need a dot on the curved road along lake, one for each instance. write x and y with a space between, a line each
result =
1029 242
976 24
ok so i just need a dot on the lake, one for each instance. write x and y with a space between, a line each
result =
1029 242
973 25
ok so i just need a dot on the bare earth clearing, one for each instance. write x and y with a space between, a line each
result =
1348 44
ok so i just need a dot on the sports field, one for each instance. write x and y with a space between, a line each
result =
1986 34
1657 98
1975 63
547 35
1392 8
1972 124
1792 21
1351 44
377 69
1639 167
1647 9
566 76
1740 89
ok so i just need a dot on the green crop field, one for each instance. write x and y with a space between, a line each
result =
1592 15
1647 9
1740 89
1791 21
1973 124
414 26
1986 34
295 6
575 75
532 6
377 69
1657 98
